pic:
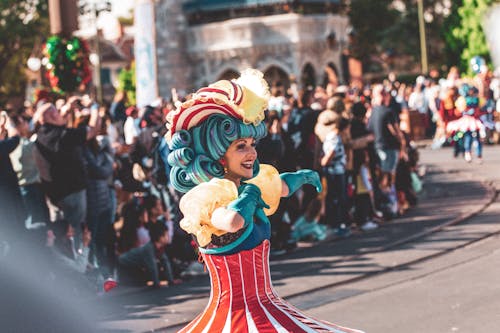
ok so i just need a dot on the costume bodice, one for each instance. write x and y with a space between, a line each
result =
243 299
255 234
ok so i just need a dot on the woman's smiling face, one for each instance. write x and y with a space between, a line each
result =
239 159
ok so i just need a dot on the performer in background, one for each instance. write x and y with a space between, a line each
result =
229 196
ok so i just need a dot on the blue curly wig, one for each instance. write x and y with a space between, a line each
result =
196 153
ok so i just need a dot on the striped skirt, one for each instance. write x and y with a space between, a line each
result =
242 299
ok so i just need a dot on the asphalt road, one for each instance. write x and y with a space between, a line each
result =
454 291
457 292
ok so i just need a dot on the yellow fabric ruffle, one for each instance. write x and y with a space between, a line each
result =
269 182
255 96
198 204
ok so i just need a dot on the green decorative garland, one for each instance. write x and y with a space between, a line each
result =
68 65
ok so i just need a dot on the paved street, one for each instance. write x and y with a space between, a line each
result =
425 272
457 292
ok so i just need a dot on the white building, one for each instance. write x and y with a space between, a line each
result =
199 41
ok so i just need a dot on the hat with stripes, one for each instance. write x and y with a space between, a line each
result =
245 99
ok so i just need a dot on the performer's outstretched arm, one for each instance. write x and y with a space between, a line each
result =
292 181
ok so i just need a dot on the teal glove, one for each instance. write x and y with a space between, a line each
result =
294 180
248 202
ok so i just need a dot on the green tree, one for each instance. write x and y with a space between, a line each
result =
469 33
453 46
22 24
389 27
126 83
369 19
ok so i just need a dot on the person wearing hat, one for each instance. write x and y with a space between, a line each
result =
229 196
329 129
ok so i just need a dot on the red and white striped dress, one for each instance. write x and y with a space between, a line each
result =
242 299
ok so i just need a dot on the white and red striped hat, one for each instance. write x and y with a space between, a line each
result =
245 98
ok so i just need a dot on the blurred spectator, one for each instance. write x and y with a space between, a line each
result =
383 124
336 104
487 116
117 108
362 138
98 160
277 101
417 100
329 130
131 128
12 215
133 232
388 142
301 130
307 227
405 192
364 199
81 258
59 156
148 262
23 162
271 148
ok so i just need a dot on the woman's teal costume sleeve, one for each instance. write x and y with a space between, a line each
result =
248 201
294 180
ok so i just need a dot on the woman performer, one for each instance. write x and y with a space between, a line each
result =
468 128
229 196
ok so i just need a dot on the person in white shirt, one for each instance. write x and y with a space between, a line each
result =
131 128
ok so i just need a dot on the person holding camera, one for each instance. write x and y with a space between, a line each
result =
11 209
28 176
59 156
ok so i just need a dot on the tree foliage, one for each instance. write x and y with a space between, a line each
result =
369 19
126 83
453 30
453 46
22 24
469 34
390 28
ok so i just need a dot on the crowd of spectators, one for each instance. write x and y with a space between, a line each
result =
90 183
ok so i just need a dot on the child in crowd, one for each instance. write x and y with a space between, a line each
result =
157 213
307 226
133 232
329 129
148 262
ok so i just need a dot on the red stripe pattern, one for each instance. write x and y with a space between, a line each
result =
224 98
198 112
243 299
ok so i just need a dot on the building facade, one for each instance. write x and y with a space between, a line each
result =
199 42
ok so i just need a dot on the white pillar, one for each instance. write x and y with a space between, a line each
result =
491 27
145 52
